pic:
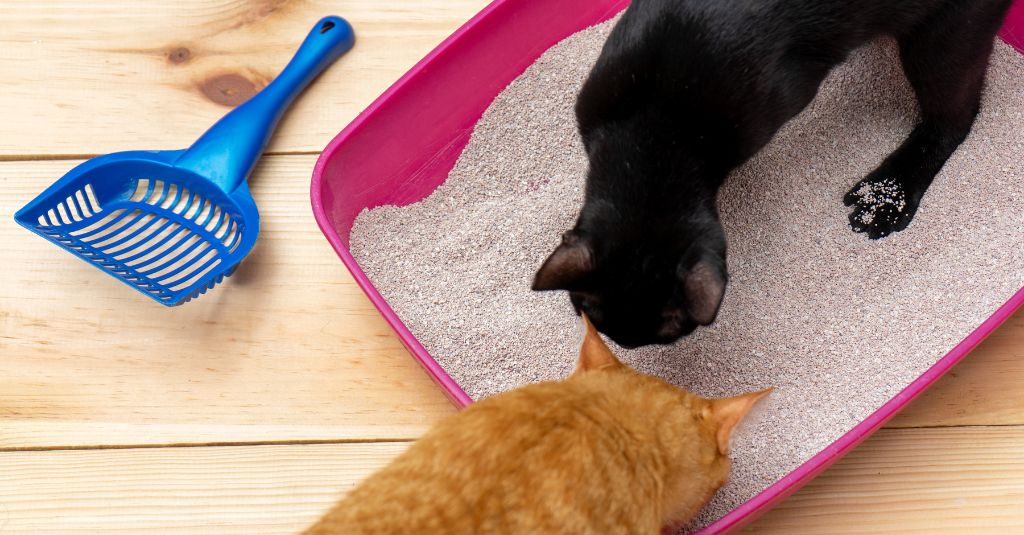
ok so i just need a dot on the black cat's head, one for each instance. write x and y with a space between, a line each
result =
646 258
641 292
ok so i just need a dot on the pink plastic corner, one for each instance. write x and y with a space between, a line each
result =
402 147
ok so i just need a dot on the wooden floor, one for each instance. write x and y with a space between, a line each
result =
252 409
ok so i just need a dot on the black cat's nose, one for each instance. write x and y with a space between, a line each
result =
632 341
623 340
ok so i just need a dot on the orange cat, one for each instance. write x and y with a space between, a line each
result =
607 450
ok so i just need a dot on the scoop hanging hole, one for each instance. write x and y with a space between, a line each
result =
326 27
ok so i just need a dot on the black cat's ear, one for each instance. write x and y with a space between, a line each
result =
570 262
703 288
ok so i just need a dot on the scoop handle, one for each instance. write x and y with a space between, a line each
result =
228 151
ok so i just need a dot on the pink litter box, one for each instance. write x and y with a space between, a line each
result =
403 146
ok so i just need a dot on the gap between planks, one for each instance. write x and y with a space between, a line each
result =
72 157
313 442
341 441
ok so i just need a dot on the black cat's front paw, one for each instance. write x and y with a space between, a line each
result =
881 206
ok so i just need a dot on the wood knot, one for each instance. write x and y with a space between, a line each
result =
228 89
179 55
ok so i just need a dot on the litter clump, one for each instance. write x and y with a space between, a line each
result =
875 196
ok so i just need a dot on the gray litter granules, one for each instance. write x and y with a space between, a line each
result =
837 323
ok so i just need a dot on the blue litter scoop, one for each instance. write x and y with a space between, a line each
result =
173 224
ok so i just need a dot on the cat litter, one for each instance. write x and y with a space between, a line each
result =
837 323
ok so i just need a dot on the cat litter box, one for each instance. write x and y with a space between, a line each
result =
405 144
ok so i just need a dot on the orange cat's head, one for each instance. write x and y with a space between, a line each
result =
689 434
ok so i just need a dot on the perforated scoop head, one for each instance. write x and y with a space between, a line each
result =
168 234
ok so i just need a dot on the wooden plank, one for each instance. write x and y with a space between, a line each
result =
111 75
927 480
264 489
287 349
954 480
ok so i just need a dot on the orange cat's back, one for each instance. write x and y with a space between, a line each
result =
527 461
608 450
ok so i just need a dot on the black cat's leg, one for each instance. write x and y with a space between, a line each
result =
945 60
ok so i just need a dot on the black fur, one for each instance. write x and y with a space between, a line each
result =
686 90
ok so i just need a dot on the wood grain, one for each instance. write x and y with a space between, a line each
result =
900 481
287 349
119 75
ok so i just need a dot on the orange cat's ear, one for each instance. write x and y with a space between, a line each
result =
594 353
727 413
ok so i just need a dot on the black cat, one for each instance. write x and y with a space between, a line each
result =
686 90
